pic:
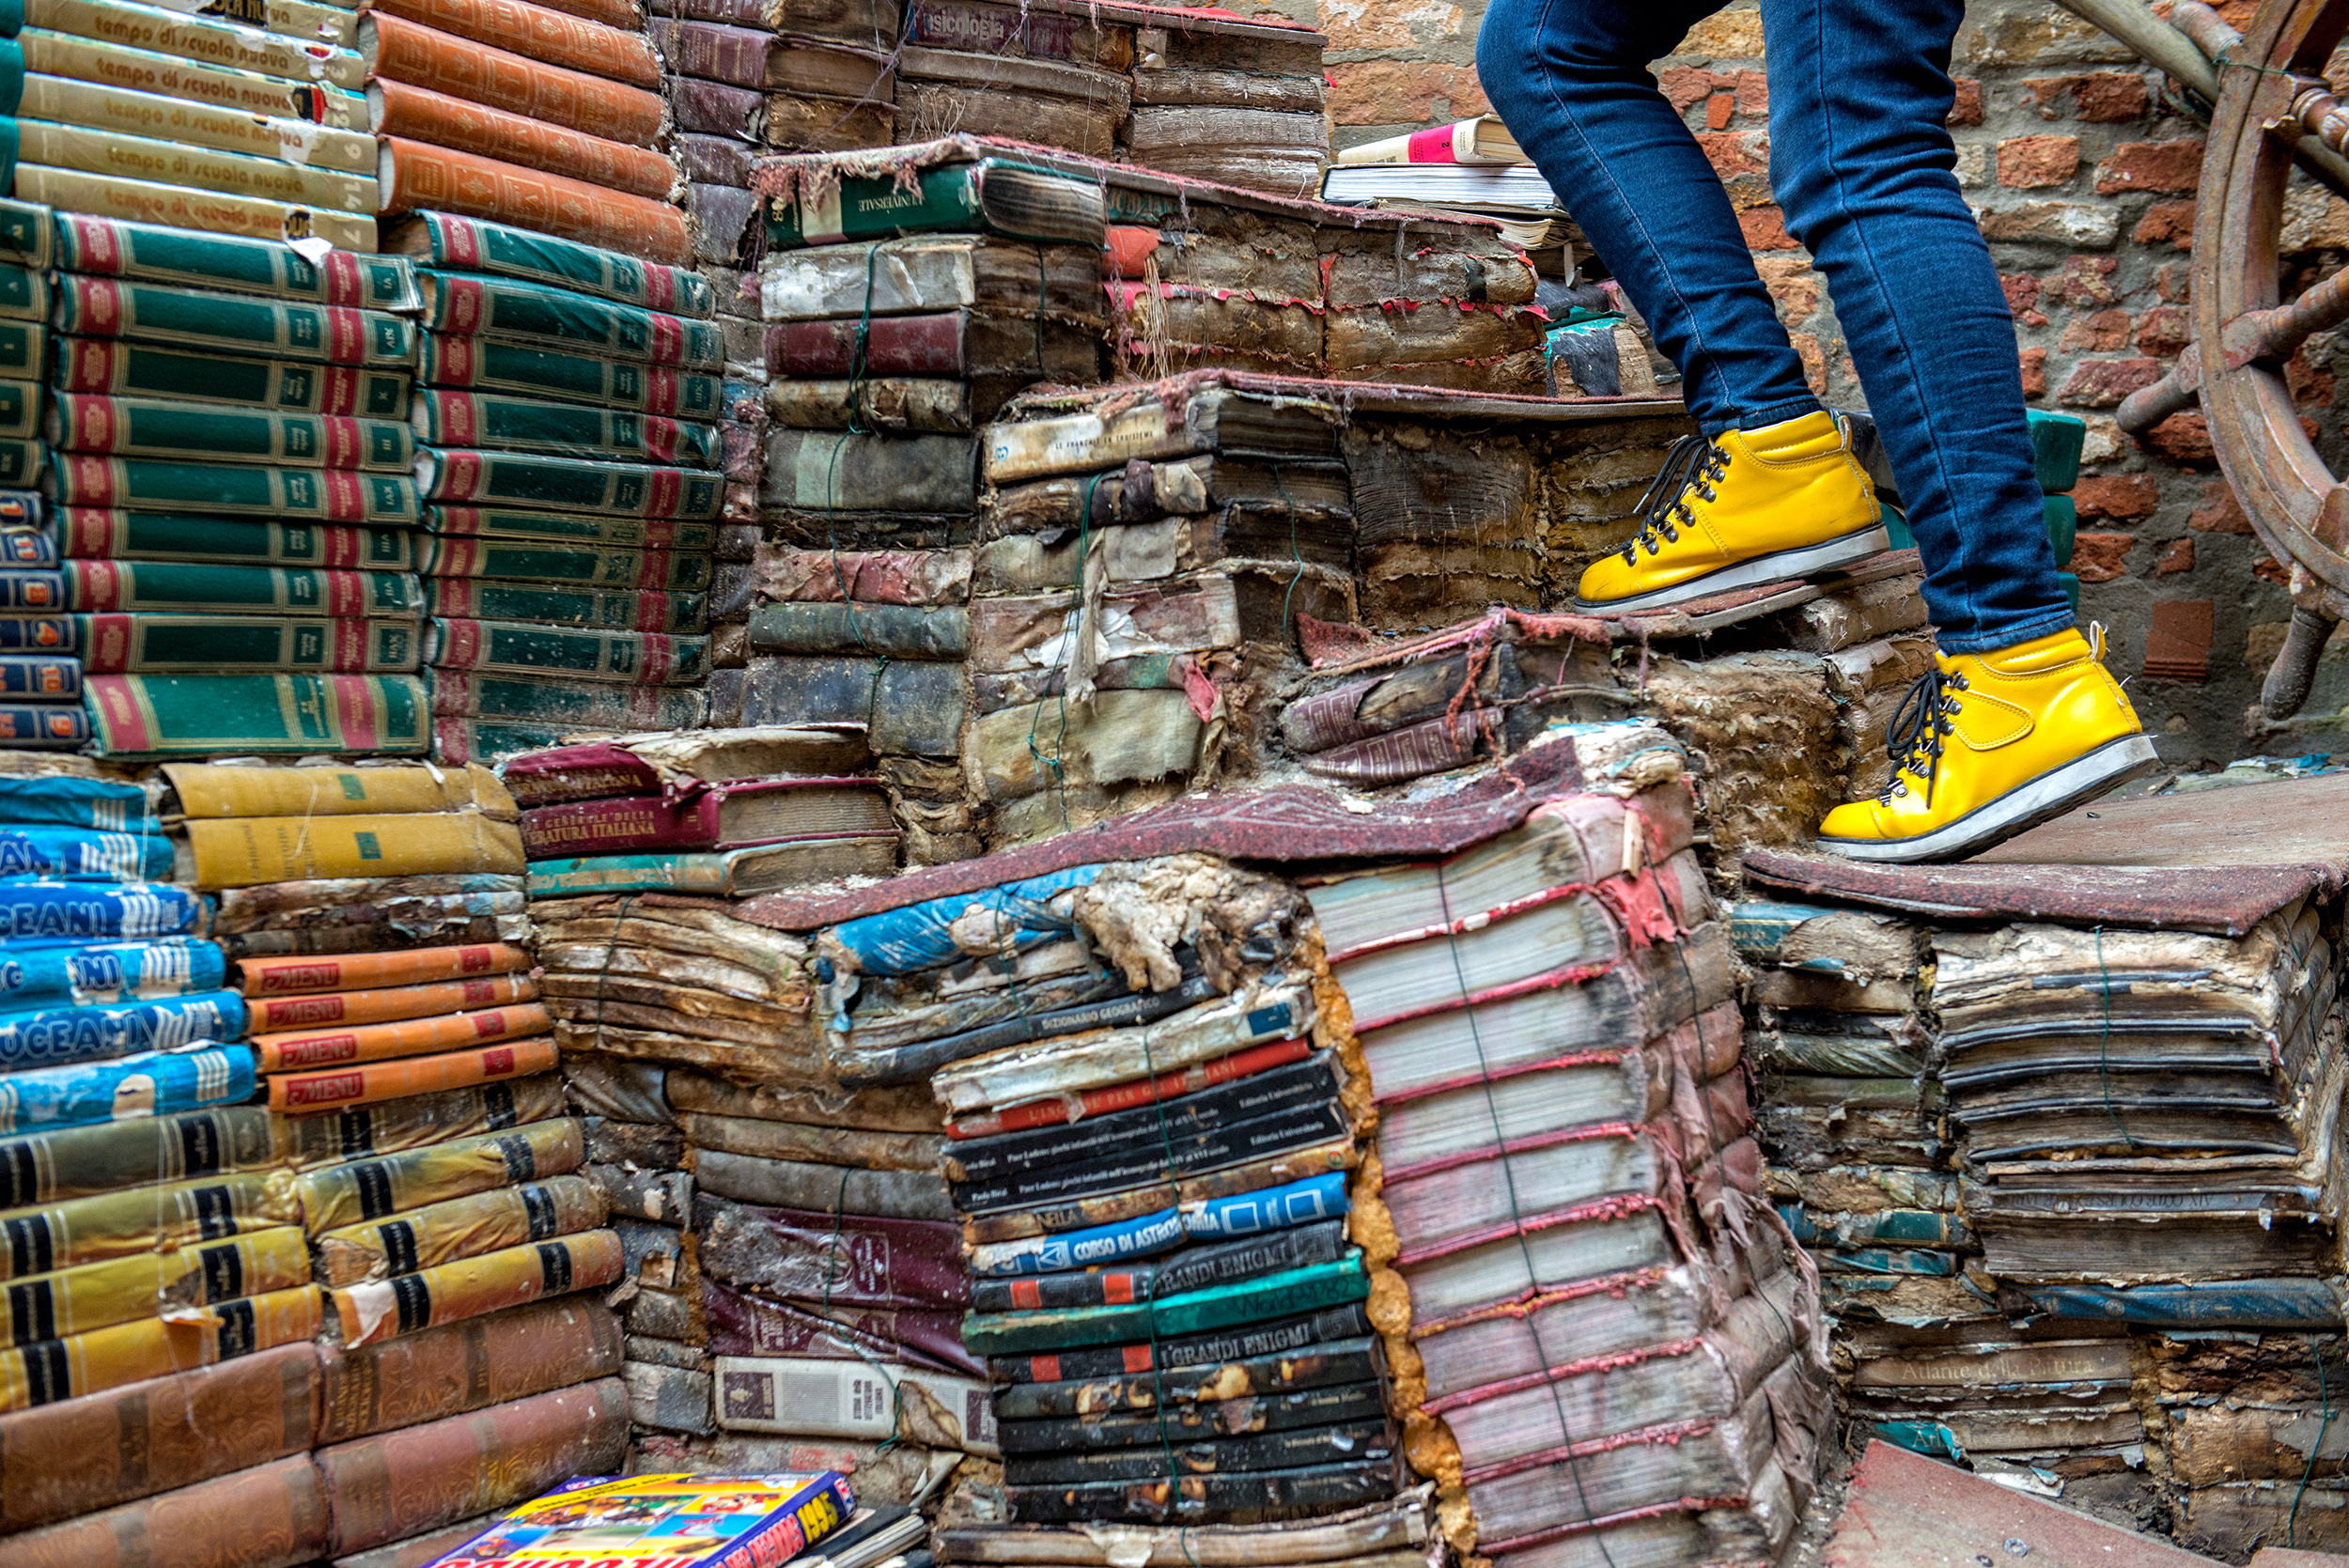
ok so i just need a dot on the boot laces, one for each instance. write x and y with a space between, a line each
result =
1918 727
1692 468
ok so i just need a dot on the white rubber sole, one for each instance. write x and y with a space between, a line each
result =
1833 554
2042 800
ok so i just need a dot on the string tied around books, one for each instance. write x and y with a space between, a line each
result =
1074 629
2324 1406
611 950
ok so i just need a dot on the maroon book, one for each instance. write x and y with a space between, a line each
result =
840 1261
741 1324
716 816
893 346
695 760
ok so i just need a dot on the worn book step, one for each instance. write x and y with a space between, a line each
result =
656 571
459 1228
1367 1532
935 273
483 304
620 611
784 1253
1191 1269
1358 1440
47 1372
988 195
742 1323
338 1196
1202 1396
1219 1307
1317 1487
724 873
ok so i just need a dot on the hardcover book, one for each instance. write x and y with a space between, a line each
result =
211 715
153 428
37 1098
645 764
111 368
510 648
561 430
282 135
152 202
475 305
558 707
470 245
992 195
118 155
89 533
307 1094
726 815
535 370
580 528
548 33
236 323
545 604
84 973
668 1521
399 49
163 644
458 476
198 586
399 111
723 873
314 495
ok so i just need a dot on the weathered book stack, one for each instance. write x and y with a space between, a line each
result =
261 133
1391 1531
545 116
570 462
229 493
1152 1162
1238 102
1610 1341
41 667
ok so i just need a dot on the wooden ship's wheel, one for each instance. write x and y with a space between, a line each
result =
2272 115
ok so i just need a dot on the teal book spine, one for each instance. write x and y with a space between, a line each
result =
299 494
874 207
24 349
99 367
23 293
150 427
147 252
20 409
470 245
623 658
233 323
27 235
89 533
195 716
464 477
475 600
561 430
701 872
95 586
575 528
1283 1295
471 305
535 370
658 571
216 644
558 703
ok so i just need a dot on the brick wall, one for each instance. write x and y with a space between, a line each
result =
2086 188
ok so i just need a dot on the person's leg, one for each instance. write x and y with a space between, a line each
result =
1570 79
1862 162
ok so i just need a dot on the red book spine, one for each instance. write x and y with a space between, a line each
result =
1125 1096
539 31
423 56
275 1512
893 346
735 55
623 826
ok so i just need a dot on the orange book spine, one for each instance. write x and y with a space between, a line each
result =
627 15
425 56
327 1009
471 1287
418 177
366 972
540 32
300 1093
421 114
383 1042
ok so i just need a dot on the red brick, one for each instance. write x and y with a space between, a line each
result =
2220 512
1753 94
2166 223
2035 372
2181 438
2123 497
2101 383
2022 290
2102 332
2083 282
2033 162
1684 85
2101 557
2152 166
1814 361
1735 153
1765 230
2310 386
2177 557
2165 330
2268 570
1718 110
2177 641
1967 109
1792 285
2108 97
1402 92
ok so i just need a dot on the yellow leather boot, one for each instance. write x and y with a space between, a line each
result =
1985 745
1747 507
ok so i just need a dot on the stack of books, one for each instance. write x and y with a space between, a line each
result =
1055 75
154 114
569 398
1471 166
785 75
1618 1349
1388 1532
228 493
1219 98
546 116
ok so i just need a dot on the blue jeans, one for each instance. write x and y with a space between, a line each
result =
1861 161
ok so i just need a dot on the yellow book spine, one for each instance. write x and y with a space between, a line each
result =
144 201
206 791
103 1359
336 1197
139 1219
124 1290
459 1228
93 150
415 1121
245 851
103 107
473 1287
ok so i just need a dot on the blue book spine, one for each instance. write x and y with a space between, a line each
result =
40 906
53 1036
57 801
39 593
1152 1233
39 975
1274 1208
23 547
43 726
84 855
41 678
154 1084
899 941
41 633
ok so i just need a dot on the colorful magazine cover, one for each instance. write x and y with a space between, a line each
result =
665 1521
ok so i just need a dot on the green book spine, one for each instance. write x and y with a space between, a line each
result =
874 206
658 571
112 247
235 323
87 532
471 305
150 427
457 695
192 585
21 404
469 598
581 528
1283 1295
466 477
490 741
24 349
470 245
624 657
99 367
23 293
314 495
704 872
492 364
561 430
28 236
22 462
207 715
210 645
